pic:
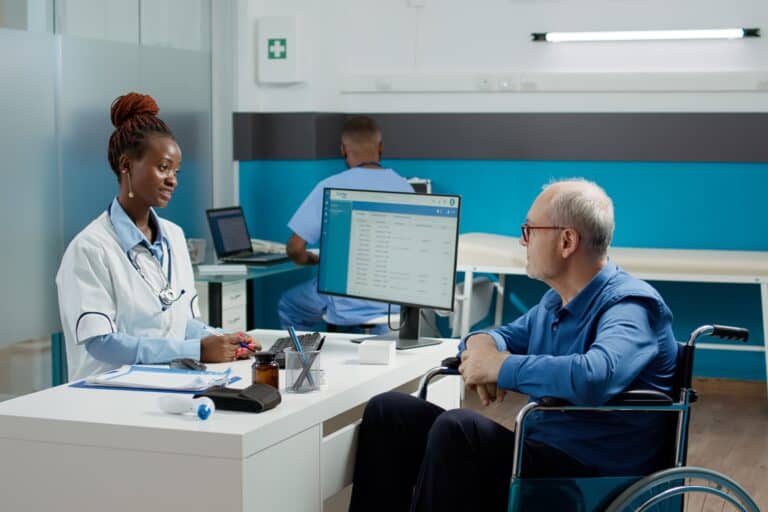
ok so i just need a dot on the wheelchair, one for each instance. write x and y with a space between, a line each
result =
665 490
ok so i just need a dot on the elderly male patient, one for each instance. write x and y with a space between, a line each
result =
597 332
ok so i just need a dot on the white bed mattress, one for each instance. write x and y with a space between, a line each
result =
490 250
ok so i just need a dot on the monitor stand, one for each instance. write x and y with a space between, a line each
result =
408 335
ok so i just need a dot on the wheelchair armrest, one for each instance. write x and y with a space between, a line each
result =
451 362
634 397
448 366
641 397
629 400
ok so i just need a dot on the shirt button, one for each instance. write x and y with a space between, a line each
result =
554 327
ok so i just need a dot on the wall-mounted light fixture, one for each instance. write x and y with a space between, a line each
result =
645 35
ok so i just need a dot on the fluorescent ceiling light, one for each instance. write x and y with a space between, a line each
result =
645 35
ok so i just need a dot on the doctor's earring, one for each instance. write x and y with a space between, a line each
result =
130 188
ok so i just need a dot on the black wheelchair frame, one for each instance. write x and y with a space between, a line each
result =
638 493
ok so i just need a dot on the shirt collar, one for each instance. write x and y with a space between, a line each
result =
581 302
129 236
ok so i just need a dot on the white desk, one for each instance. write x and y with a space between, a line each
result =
497 254
92 450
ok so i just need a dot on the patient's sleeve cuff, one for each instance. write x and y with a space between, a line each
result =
500 343
507 378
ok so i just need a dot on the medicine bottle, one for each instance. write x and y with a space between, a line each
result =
266 369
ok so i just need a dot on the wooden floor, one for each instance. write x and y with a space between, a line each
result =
729 434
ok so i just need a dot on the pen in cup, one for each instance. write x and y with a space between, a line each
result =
300 350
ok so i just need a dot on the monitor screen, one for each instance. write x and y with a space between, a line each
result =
228 230
391 247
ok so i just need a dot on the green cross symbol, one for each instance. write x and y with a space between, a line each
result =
277 48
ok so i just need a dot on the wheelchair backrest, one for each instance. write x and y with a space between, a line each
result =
684 370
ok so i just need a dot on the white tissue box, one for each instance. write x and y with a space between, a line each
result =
376 351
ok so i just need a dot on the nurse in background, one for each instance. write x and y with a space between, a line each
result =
126 285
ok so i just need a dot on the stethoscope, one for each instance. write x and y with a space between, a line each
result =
166 295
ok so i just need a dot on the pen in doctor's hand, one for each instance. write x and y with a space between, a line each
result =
248 342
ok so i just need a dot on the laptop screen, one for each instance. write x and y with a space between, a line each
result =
228 229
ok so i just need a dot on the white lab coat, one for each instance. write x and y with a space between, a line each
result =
101 292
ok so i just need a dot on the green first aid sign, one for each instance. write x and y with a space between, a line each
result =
277 48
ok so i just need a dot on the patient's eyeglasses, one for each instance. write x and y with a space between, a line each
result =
526 229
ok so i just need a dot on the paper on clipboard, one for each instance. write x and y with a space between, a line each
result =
150 377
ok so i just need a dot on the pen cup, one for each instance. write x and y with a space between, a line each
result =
303 371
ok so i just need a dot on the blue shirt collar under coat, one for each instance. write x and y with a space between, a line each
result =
129 236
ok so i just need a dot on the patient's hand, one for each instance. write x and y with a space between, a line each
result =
480 364
488 393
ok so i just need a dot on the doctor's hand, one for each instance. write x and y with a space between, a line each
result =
219 348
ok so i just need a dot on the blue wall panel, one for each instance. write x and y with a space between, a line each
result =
664 205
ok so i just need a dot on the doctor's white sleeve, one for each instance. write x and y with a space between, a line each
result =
86 297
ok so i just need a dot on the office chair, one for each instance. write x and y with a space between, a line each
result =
59 370
663 490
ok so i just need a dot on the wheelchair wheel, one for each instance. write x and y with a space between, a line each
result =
665 491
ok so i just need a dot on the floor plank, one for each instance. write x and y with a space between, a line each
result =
729 433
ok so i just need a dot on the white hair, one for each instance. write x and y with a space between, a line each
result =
584 206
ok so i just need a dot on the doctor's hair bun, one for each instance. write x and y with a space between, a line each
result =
131 105
135 118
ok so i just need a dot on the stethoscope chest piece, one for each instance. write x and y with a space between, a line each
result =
168 296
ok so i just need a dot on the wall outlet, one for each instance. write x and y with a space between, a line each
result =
383 84
506 84
484 83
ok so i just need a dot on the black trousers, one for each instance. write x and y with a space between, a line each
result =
413 455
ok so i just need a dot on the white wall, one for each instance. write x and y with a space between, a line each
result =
455 46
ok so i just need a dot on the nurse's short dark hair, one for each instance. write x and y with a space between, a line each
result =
360 130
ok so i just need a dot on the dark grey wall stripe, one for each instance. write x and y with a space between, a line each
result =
674 137
286 136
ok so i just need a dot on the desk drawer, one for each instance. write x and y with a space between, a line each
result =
233 294
337 458
234 318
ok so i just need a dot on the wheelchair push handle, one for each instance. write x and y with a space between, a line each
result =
731 333
720 331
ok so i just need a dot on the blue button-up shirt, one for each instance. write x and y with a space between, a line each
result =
121 348
615 335
129 236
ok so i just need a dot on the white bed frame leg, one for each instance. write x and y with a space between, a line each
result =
467 304
764 304
499 301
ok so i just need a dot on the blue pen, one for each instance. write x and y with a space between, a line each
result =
300 350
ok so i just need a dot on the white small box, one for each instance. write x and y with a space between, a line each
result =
376 352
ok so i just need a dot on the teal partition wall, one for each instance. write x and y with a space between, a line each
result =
658 204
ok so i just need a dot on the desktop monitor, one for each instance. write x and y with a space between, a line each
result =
393 247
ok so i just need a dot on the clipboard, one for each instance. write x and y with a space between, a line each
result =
156 379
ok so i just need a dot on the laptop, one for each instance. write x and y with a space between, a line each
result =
232 241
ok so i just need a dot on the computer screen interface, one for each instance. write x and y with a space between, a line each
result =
228 230
388 246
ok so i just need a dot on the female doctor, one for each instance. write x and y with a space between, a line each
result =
126 286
